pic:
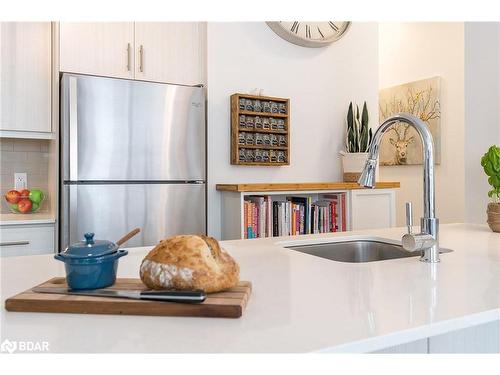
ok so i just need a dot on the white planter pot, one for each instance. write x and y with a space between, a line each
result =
353 164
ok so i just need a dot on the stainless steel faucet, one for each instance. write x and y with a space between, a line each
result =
428 239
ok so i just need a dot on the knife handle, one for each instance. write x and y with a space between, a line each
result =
194 296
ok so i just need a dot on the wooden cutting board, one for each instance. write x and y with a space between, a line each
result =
226 304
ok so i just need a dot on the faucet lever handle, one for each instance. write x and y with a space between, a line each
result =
409 217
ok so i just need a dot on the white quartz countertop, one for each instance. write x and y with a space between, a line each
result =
23 219
300 303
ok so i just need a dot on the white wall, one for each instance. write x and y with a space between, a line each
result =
320 82
482 107
413 51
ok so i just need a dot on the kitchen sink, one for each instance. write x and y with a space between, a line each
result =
357 251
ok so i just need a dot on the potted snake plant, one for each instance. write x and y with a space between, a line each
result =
357 143
491 165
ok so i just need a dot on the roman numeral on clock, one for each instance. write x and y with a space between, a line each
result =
295 27
308 31
333 26
320 33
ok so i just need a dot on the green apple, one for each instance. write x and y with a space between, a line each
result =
36 196
14 207
34 207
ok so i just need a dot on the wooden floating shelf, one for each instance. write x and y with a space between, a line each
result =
305 186
247 152
262 114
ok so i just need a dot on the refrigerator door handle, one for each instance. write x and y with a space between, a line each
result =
72 229
73 129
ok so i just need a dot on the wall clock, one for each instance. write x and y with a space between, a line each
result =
310 34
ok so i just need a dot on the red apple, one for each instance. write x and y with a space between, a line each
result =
12 196
24 206
25 193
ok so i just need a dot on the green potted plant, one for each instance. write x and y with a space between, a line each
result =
491 165
357 143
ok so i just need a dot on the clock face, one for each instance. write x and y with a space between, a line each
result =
310 34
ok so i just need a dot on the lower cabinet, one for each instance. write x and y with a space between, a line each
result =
414 347
373 209
483 338
29 239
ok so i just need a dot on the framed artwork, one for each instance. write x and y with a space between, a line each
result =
401 144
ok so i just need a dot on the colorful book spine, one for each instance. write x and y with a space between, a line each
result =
265 217
275 219
307 220
335 225
245 220
269 217
344 216
249 220
255 215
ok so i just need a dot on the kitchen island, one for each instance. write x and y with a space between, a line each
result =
299 303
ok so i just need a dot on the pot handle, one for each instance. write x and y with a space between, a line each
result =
59 257
121 253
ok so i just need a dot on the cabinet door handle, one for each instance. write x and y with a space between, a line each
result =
14 243
141 58
128 57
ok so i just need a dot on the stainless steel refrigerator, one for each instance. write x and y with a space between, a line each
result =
132 155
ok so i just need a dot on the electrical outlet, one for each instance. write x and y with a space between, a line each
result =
20 181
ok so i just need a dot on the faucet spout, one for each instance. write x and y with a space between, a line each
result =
429 223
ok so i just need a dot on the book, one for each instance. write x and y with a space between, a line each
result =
249 220
309 215
269 216
275 219
281 218
245 220
255 232
344 216
340 213
294 215
261 221
302 204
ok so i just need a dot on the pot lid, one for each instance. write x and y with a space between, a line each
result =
90 248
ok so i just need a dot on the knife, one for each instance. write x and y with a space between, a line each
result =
195 296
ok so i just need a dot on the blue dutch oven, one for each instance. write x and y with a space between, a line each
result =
91 264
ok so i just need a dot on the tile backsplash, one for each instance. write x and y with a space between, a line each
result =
24 155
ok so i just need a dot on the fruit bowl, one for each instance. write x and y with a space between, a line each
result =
24 201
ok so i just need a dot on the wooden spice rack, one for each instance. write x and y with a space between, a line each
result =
271 126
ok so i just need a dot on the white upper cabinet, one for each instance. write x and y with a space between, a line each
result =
98 48
172 52
26 84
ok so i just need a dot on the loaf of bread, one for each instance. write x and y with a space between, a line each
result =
189 262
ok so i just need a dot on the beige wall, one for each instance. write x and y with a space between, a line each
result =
482 111
413 51
320 83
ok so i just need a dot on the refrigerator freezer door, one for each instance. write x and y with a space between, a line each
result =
110 211
116 129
